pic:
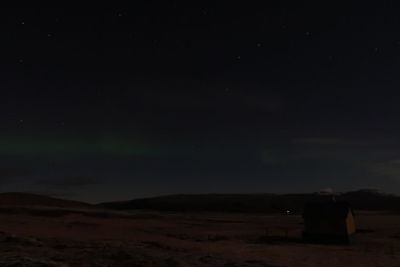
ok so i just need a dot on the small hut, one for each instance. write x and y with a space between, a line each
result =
328 221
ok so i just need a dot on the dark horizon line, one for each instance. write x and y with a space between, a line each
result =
367 190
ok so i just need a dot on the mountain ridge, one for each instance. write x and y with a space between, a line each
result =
21 199
364 199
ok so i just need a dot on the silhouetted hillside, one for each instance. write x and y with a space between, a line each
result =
215 202
372 200
258 203
33 200
264 203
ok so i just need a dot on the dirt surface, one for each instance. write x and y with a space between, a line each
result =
50 238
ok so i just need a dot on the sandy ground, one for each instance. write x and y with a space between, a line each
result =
160 239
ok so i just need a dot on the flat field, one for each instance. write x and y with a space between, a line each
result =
59 237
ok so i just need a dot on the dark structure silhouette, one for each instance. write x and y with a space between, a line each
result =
328 221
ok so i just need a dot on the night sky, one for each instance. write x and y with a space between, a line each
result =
163 97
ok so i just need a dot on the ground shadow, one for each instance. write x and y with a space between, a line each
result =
276 240
364 231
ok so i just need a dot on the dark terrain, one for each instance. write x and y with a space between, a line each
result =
255 203
42 231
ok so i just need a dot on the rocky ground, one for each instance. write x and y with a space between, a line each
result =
65 238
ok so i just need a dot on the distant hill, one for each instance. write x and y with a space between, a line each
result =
262 203
372 200
251 203
269 203
33 200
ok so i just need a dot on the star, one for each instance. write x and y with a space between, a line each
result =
22 22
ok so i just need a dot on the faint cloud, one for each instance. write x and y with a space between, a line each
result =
53 194
390 168
328 141
9 175
13 172
69 181
394 162
365 142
